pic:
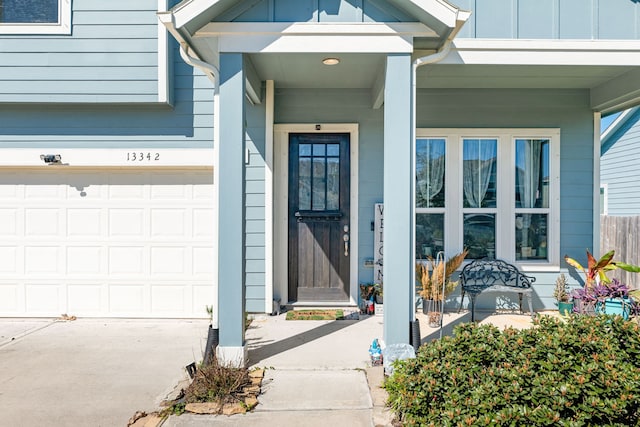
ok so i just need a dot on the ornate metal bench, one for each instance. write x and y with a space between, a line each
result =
494 275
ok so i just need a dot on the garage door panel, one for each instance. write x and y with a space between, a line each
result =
127 299
42 260
42 222
84 260
106 243
169 299
85 299
44 299
203 223
126 222
9 260
168 222
126 260
10 299
84 222
168 260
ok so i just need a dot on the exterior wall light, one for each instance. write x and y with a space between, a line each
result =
51 159
331 61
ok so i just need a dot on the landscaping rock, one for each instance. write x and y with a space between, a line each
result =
233 409
251 402
203 407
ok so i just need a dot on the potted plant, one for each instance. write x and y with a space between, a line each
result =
432 274
596 269
562 295
613 298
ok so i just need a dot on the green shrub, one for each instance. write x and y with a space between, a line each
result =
582 372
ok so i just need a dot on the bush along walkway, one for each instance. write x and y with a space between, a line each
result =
578 372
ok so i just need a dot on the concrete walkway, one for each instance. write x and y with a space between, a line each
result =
100 372
91 372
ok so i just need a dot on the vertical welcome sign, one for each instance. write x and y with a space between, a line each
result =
378 239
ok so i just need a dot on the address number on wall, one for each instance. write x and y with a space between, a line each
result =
143 157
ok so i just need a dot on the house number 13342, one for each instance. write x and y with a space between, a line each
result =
141 157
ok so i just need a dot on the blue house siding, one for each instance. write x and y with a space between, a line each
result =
255 209
111 56
188 124
620 168
551 19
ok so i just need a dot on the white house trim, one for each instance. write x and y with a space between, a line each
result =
111 157
163 57
280 201
63 26
546 52
268 197
596 184
315 37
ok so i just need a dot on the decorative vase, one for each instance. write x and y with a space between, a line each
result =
615 306
429 305
565 308
435 319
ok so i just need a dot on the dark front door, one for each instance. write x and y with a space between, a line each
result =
319 226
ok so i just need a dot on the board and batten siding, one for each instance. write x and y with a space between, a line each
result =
551 19
620 169
110 56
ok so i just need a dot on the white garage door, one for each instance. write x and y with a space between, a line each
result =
114 243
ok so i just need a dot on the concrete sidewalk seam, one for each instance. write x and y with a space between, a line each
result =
24 334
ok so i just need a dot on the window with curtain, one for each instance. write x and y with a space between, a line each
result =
494 192
531 198
430 196
479 185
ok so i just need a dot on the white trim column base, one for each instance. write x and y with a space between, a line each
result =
232 356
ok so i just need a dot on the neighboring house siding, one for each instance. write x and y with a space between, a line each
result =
255 209
188 124
551 19
110 56
620 169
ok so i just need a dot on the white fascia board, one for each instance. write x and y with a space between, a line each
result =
441 10
618 93
111 157
314 37
414 29
188 10
544 52
616 124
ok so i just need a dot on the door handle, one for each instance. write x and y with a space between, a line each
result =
345 237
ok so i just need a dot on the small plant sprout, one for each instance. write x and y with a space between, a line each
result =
561 291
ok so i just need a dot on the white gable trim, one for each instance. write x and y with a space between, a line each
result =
315 37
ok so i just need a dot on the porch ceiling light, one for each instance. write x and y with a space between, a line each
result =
331 61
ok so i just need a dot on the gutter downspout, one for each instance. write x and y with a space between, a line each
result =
419 62
214 74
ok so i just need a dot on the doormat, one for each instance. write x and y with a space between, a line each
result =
315 315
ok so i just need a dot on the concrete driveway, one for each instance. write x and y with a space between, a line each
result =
91 372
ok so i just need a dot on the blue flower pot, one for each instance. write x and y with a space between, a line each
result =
617 306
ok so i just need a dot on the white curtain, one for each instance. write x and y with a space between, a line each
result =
431 175
479 159
529 158
528 162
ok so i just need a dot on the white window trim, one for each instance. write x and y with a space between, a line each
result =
63 26
505 210
605 195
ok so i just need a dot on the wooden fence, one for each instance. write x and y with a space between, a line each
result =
622 233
